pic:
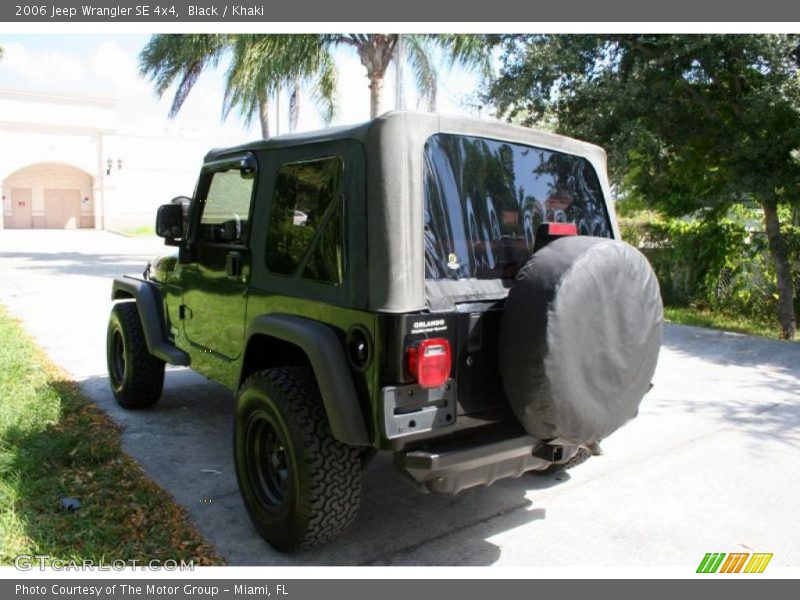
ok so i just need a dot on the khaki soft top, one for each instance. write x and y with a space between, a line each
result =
393 145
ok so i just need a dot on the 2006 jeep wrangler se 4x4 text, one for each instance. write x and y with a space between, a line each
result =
449 290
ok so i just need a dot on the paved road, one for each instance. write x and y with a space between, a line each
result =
711 464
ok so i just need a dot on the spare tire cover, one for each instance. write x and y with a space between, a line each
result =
579 338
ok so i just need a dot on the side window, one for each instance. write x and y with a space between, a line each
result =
305 234
227 206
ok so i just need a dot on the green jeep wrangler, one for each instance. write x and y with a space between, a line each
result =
449 290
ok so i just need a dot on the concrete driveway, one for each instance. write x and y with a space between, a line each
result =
710 465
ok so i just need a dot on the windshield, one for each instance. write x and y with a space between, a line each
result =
484 200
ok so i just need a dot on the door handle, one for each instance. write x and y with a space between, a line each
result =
233 264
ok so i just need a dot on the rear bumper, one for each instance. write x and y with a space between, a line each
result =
452 469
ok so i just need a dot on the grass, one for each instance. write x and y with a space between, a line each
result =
54 443
720 320
140 231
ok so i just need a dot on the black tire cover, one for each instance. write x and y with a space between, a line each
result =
579 338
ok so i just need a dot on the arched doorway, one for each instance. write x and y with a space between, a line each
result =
48 196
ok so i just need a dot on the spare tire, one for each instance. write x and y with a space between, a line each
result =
579 339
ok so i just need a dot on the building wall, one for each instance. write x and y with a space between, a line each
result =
44 176
48 111
23 147
155 169
51 141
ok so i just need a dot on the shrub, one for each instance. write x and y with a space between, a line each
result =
687 256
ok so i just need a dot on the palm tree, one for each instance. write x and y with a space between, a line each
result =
261 64
377 51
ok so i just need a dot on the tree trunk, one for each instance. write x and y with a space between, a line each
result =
375 96
294 106
263 117
783 269
376 53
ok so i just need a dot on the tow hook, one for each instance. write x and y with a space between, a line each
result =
552 454
558 454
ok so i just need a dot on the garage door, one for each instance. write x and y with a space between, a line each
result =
62 209
21 209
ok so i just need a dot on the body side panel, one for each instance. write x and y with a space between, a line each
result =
150 304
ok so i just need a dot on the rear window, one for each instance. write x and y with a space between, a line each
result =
484 200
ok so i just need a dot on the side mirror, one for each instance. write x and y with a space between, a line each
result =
185 203
169 223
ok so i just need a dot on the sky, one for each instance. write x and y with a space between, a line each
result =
107 66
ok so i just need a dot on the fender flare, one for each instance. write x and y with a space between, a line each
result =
326 355
149 303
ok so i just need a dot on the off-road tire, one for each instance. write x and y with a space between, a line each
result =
580 457
302 490
136 377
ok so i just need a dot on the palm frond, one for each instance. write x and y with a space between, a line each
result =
294 105
473 52
261 64
324 88
170 58
258 66
418 54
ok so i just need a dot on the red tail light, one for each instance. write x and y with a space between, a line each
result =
562 229
429 362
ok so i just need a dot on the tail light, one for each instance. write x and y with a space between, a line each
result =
547 232
429 362
562 229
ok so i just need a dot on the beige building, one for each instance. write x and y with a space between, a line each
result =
67 163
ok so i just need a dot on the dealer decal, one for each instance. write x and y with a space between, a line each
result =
735 562
429 326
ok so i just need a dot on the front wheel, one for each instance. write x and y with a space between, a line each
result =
136 376
300 485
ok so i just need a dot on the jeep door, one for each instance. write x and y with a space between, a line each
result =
215 279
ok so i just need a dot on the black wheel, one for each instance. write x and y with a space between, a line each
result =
580 457
136 376
301 486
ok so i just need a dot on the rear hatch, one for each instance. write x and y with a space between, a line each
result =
484 200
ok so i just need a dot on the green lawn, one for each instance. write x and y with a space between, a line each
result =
141 230
54 443
724 321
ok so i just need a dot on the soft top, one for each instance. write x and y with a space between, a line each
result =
393 219
419 120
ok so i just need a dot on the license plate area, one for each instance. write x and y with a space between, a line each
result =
411 409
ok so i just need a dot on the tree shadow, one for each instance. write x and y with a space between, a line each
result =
79 263
728 348
185 445
748 382
396 521
120 514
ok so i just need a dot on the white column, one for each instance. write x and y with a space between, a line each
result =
399 100
99 187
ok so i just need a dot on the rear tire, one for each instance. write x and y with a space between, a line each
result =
136 376
300 485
